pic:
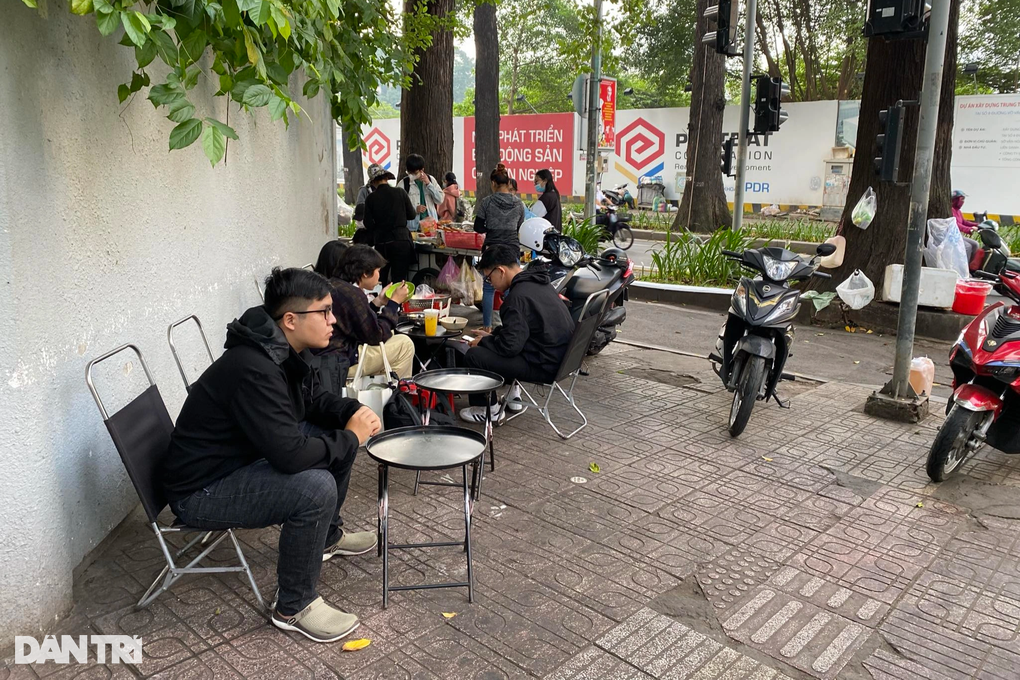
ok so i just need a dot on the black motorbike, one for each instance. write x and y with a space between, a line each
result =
576 275
991 256
619 195
617 227
756 340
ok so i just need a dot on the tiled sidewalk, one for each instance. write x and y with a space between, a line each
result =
809 547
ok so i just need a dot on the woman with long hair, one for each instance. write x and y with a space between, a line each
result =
498 216
548 204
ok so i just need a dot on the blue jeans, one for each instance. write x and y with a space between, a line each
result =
307 504
488 295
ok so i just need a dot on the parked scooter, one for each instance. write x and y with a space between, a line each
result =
985 406
992 254
576 275
756 339
620 195
617 227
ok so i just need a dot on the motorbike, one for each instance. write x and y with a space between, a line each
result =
576 275
620 195
985 406
991 255
617 227
757 337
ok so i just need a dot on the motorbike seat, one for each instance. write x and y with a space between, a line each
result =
1013 264
584 282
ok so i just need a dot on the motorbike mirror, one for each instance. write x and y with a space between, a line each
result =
825 249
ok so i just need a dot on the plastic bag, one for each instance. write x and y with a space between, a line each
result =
449 275
423 292
922 375
945 248
463 288
864 211
473 285
857 291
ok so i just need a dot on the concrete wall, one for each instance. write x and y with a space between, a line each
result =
106 238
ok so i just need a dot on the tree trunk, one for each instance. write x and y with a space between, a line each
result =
486 96
354 178
426 107
894 71
703 205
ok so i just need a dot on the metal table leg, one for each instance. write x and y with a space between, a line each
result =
467 535
379 518
384 509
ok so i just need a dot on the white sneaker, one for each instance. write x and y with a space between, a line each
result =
476 414
514 403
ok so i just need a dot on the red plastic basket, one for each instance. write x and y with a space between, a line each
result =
468 240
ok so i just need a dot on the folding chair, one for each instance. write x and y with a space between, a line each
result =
584 331
173 347
141 432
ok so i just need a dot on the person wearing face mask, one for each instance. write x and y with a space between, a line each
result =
498 216
425 192
548 204
966 226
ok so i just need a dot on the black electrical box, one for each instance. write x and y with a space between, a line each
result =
896 18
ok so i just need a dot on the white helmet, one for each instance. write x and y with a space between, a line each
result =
533 231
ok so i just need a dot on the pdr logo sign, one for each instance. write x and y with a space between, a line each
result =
378 147
640 145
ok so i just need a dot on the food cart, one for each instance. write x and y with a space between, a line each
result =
433 251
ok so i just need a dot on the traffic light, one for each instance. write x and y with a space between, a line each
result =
727 157
724 16
893 19
768 110
889 142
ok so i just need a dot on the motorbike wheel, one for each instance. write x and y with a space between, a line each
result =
749 385
623 238
950 447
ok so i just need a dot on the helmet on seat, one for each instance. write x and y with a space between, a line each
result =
615 256
532 232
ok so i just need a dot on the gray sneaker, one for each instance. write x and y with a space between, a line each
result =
319 622
352 543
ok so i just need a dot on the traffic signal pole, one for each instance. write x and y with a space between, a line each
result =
897 400
745 115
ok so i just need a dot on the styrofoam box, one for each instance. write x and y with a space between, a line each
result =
938 286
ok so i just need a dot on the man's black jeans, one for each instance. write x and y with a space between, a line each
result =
511 368
307 504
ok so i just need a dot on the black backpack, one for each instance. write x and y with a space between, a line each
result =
400 412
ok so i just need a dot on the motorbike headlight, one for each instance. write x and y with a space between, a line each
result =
778 270
569 254
739 301
782 309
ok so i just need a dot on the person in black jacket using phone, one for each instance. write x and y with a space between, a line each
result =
255 446
536 330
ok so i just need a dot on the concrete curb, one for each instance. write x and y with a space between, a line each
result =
716 299
802 247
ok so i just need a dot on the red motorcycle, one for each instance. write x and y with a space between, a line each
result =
985 406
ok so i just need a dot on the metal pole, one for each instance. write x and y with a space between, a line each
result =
924 156
745 115
594 111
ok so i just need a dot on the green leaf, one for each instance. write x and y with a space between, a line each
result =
261 16
277 107
257 95
282 21
277 73
214 144
185 134
249 5
231 14
191 76
226 83
123 92
137 27
225 129
146 53
31 3
249 46
193 46
166 48
138 81
311 88
81 7
164 94
107 21
181 110
334 8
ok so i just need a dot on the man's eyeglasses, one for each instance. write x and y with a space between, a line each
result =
487 278
325 311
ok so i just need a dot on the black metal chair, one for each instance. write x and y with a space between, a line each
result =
570 367
141 432
173 347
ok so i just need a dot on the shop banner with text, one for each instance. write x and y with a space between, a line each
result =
527 143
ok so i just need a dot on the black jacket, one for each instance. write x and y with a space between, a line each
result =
249 405
387 210
536 324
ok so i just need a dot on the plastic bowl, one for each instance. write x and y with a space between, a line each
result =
393 287
454 323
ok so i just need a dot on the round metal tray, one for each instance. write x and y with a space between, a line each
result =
458 381
435 447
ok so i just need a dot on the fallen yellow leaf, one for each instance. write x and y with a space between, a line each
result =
870 332
449 615
920 505
594 467
355 645
857 362
769 460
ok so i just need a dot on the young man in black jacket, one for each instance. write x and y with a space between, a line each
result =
253 448
536 329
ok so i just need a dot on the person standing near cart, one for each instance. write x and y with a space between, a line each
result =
387 212
425 192
548 205
498 216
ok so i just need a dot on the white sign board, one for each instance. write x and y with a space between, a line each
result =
986 152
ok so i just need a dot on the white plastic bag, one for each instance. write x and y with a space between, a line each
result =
945 248
857 291
922 375
864 211
374 391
